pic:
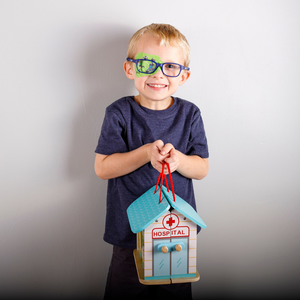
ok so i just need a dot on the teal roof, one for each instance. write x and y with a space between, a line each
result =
146 209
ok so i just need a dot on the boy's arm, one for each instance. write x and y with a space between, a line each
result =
190 166
120 164
193 166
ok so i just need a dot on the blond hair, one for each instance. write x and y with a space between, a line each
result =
169 36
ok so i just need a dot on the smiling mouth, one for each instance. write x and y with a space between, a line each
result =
157 85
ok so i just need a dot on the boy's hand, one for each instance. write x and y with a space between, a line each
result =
172 159
159 153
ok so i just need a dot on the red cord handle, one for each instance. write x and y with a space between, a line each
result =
161 178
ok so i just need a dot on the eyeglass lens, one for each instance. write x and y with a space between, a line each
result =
149 67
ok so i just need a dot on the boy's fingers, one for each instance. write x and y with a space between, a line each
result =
172 157
159 144
166 149
172 160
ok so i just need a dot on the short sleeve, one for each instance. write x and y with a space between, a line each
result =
112 139
197 144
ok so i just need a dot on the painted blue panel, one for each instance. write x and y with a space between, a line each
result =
158 277
161 261
183 207
171 245
146 209
184 275
179 259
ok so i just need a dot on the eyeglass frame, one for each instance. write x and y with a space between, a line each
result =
136 61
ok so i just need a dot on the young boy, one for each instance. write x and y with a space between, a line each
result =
138 134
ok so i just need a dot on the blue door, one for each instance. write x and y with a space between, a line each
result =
179 259
161 260
173 263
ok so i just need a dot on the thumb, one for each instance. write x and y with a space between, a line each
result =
172 158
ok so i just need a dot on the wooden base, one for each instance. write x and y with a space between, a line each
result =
140 271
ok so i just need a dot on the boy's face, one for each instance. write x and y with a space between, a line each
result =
155 90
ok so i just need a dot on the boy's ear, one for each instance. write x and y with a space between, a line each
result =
184 77
129 69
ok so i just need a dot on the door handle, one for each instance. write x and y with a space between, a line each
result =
172 246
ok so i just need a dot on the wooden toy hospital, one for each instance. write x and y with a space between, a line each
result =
166 228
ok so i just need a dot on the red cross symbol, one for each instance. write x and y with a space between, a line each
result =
170 222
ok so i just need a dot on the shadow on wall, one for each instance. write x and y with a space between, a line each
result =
102 82
54 249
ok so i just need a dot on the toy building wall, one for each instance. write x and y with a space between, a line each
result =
148 246
148 243
192 247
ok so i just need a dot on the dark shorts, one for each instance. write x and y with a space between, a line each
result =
122 281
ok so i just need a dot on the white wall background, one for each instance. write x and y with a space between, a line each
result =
61 65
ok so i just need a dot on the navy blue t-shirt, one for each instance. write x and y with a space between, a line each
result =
126 127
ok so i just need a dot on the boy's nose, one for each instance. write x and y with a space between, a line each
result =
158 73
